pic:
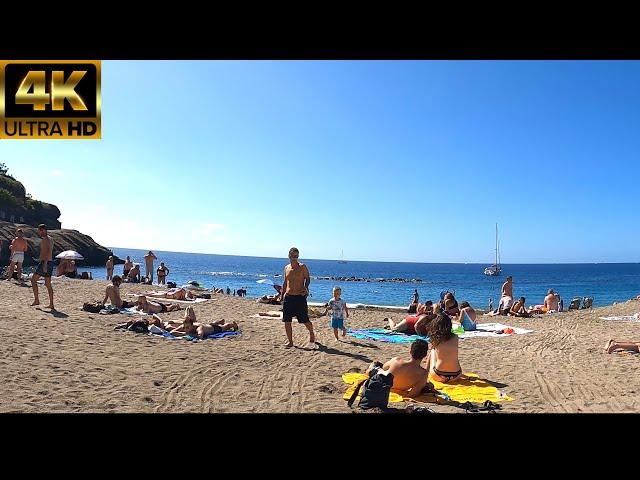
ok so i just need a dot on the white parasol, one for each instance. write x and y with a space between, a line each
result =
70 255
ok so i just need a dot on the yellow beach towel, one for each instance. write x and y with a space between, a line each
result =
469 388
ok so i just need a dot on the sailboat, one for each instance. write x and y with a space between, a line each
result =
342 260
495 269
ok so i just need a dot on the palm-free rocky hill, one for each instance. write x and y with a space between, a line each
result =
18 209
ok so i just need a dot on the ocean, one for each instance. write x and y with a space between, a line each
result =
605 282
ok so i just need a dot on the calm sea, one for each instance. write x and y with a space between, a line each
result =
606 282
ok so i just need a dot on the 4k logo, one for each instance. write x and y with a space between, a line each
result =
50 99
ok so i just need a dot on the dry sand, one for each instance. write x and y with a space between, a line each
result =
75 362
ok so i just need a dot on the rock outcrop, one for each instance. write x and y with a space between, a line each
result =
18 207
63 239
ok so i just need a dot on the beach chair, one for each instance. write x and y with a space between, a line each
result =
575 303
587 302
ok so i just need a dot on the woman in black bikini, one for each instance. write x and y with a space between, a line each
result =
191 327
443 363
148 306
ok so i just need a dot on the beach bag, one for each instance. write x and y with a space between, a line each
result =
93 307
375 389
171 285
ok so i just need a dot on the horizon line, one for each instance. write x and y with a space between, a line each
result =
381 261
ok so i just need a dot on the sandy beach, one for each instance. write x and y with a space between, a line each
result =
74 361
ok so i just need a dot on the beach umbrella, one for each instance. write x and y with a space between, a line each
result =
70 255
268 281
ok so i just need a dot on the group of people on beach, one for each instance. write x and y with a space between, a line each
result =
552 303
433 320
131 271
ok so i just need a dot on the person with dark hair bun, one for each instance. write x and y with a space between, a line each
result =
443 363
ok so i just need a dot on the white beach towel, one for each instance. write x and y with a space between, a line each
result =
132 311
271 317
491 329
169 300
633 318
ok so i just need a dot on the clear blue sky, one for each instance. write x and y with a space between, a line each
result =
396 161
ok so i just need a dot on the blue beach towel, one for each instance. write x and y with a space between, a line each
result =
383 335
195 339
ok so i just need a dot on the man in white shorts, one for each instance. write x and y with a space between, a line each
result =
18 247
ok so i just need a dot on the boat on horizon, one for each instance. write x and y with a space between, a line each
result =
495 269
342 260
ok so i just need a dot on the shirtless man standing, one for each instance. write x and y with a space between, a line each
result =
148 262
110 268
17 248
506 299
126 268
409 377
294 302
45 267
113 294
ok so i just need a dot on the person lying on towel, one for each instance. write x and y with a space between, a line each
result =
191 327
413 324
149 306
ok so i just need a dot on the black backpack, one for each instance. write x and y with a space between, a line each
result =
93 307
375 389
139 326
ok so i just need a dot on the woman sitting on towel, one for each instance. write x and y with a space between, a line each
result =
443 363
148 306
467 317
450 305
191 327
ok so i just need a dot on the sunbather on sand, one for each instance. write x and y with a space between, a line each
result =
450 305
551 304
443 363
467 317
191 327
269 299
518 309
614 346
112 294
409 377
149 306
173 293
412 324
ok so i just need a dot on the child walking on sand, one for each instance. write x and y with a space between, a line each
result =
338 311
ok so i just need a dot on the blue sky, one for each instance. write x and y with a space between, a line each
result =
389 161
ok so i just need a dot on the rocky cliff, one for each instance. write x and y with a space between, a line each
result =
17 206
63 239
